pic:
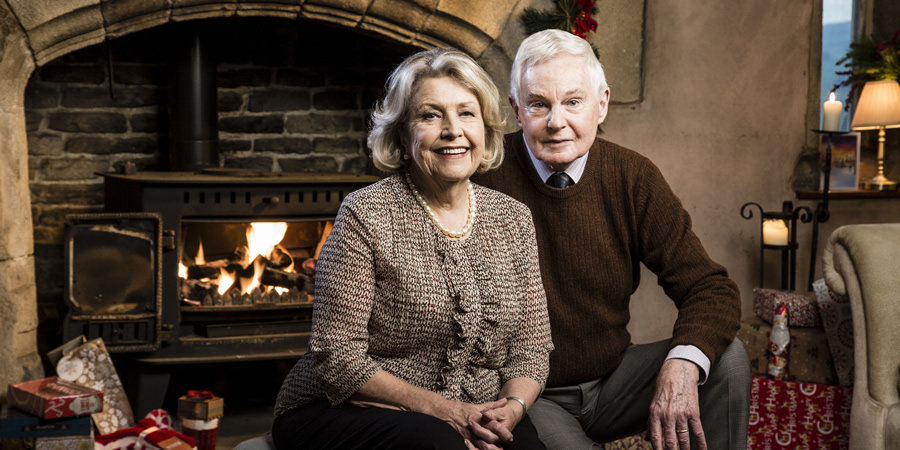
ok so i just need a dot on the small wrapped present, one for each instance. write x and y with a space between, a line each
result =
52 398
200 405
803 311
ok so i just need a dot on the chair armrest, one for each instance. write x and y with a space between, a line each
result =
863 262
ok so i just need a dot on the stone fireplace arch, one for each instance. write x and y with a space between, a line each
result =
35 32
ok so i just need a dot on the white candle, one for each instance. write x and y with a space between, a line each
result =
832 111
775 232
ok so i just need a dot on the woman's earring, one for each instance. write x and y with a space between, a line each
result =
406 156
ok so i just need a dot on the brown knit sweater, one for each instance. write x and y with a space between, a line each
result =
592 238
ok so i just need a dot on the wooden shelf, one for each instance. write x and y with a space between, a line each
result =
847 195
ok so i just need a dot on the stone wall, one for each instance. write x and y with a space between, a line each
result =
283 105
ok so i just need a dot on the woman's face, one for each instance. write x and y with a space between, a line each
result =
446 133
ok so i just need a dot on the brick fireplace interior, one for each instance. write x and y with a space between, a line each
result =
292 96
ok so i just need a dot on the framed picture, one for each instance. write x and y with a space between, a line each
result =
844 162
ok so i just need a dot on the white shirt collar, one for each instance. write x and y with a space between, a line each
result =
575 170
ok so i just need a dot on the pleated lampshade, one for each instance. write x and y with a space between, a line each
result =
879 106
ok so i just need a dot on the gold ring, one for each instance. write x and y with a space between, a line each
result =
681 431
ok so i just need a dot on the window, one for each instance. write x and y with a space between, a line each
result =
837 34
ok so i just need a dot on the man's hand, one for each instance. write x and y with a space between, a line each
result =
676 407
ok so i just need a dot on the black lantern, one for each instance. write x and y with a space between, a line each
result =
778 232
773 224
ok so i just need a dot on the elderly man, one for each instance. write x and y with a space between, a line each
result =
600 211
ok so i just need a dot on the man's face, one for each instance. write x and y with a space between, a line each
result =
559 110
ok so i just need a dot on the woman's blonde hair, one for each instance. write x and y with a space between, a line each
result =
391 115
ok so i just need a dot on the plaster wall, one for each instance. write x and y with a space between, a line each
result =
724 116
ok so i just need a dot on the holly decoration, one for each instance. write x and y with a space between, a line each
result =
574 16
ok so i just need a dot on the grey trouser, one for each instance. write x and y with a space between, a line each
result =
618 405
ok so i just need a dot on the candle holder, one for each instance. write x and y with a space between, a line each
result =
773 238
822 213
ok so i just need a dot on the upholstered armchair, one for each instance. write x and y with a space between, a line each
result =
863 262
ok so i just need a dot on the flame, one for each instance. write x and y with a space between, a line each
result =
200 259
262 237
253 282
225 280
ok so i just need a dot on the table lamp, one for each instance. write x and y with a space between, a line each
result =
878 108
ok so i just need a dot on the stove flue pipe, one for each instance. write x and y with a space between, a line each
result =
193 115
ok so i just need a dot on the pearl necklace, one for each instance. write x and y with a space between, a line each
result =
470 221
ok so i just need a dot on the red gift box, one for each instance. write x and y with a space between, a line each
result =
52 398
798 415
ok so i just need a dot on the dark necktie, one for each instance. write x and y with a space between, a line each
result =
560 180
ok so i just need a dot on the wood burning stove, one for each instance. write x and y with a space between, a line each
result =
124 265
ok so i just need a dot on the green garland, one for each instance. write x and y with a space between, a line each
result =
867 61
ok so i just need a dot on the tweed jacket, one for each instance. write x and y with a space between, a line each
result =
456 317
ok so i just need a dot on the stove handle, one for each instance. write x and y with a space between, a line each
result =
271 201
168 240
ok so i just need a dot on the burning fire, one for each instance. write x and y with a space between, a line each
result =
225 280
198 260
263 239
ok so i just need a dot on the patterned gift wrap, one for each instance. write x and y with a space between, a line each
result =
635 442
803 310
810 357
798 416
89 365
838 324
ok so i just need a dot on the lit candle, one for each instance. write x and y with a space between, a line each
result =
775 232
832 119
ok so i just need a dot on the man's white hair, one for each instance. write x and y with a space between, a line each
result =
548 44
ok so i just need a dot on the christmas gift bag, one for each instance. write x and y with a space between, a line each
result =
89 365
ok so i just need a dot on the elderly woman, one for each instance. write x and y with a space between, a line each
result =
430 325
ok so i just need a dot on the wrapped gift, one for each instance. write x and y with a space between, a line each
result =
89 365
803 311
810 357
17 424
48 443
26 431
797 415
838 325
200 405
145 435
52 398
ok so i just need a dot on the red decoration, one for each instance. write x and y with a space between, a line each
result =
584 23
201 394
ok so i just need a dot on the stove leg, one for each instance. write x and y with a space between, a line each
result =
147 389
